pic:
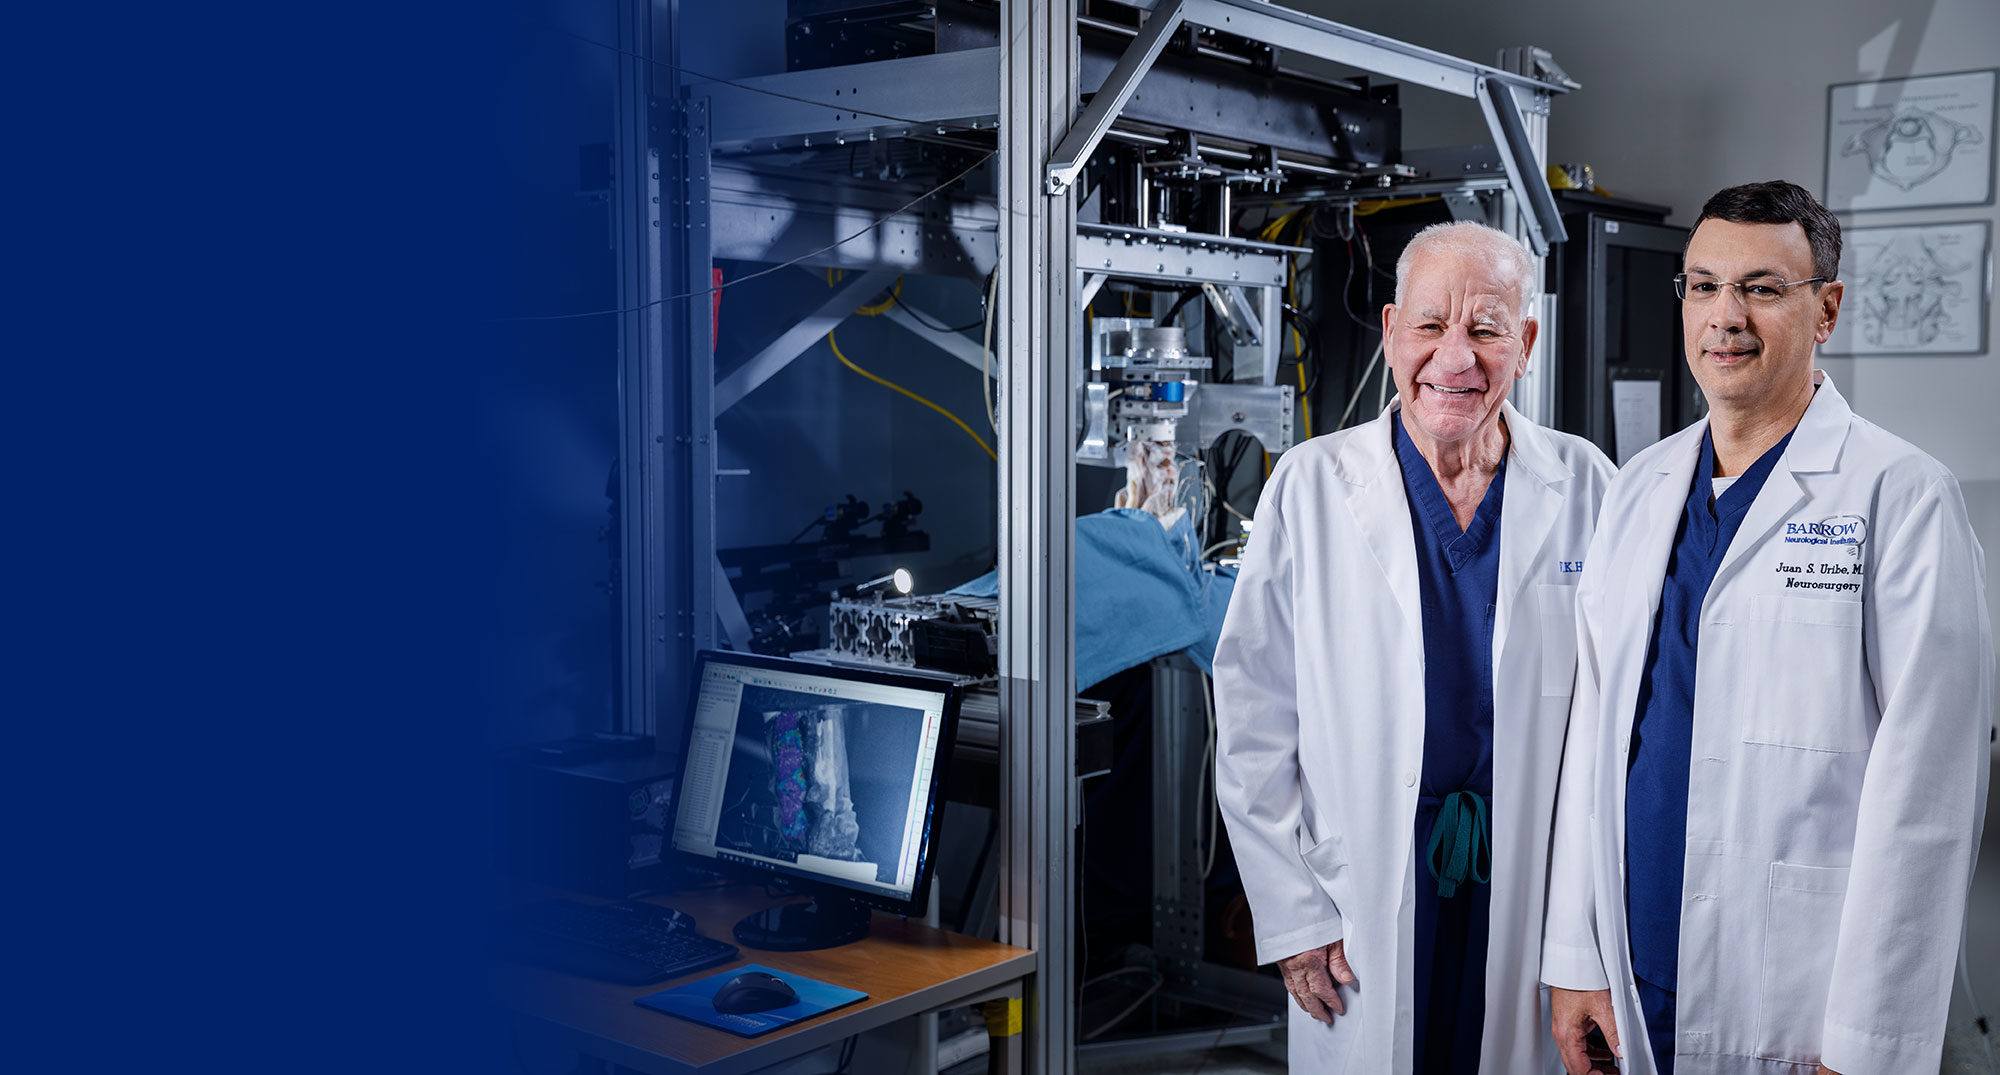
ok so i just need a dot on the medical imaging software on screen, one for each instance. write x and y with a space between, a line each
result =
827 776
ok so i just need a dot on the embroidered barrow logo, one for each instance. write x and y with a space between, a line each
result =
1849 531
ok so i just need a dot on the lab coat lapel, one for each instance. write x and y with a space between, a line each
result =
1659 516
1532 504
1381 513
1815 446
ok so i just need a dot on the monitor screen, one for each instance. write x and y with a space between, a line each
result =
813 771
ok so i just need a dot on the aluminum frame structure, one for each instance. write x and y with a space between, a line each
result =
1041 339
676 211
665 373
1262 22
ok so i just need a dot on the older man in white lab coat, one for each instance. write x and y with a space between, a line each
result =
1392 684
1776 767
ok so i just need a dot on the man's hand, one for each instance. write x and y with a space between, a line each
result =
1311 978
1575 1012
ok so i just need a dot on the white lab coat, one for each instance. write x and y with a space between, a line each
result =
1844 691
1319 688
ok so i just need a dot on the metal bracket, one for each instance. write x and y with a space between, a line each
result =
1096 423
1468 205
1245 329
1081 140
1263 411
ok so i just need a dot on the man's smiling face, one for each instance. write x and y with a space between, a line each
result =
1744 349
1456 344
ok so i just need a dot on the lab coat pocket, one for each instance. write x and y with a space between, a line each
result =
1804 660
1327 860
1801 923
1557 605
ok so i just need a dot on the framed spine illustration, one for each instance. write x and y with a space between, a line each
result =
1908 143
1917 289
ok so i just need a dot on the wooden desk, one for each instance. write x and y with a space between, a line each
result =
905 967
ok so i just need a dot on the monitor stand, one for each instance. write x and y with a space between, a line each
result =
821 922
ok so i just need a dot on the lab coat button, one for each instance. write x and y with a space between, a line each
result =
1409 778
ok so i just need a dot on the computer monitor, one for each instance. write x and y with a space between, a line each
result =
826 775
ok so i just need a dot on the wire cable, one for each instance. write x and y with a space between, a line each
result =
894 387
1158 980
1359 387
878 222
986 352
1214 809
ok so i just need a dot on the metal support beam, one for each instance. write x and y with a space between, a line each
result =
911 95
1261 21
1265 22
660 206
1535 395
729 608
792 342
1092 281
1068 160
1039 337
1178 260
1270 305
1525 179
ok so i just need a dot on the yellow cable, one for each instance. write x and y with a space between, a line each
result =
880 308
894 387
1369 208
1298 342
1305 405
1276 227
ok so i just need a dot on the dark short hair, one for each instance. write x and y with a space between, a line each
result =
1775 201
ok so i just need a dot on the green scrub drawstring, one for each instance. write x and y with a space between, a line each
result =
1461 832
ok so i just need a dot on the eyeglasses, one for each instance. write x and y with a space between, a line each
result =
1760 292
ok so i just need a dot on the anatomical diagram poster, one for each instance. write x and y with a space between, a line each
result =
1905 143
1913 290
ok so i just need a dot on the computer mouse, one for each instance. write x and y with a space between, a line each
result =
753 991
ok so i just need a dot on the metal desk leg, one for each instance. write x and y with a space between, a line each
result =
1003 1026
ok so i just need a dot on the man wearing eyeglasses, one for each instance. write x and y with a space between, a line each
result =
1776 763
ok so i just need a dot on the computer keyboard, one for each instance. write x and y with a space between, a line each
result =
628 942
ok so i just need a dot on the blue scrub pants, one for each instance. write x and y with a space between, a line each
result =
1656 1005
1450 980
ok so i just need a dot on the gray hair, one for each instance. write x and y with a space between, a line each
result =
1470 237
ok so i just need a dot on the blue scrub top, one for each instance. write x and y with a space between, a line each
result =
1458 578
1656 789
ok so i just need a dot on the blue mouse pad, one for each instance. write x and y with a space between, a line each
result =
695 1001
